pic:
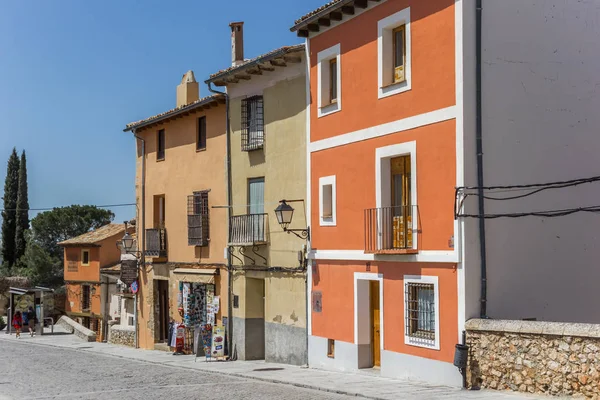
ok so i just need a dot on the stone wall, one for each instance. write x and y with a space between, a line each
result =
122 335
535 357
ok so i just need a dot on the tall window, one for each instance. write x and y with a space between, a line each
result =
420 315
333 80
253 135
198 222
85 298
201 139
399 38
160 145
401 202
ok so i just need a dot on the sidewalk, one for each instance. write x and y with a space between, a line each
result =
365 385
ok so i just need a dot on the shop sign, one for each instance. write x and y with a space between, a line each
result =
129 271
218 341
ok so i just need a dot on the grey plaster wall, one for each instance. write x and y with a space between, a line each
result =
249 338
285 344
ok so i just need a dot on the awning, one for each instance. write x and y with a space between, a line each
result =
197 275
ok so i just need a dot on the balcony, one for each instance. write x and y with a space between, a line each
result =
248 230
391 230
156 243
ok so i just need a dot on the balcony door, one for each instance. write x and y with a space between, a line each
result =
401 212
256 207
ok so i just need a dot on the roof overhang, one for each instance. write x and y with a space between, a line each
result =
180 112
323 17
22 291
269 62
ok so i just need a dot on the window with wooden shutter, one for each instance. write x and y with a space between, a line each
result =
160 145
198 221
253 135
399 38
201 139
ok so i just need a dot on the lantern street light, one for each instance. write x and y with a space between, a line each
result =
127 244
285 213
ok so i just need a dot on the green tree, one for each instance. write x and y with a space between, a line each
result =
22 217
9 221
39 266
51 227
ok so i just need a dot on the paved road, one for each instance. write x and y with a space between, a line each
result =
29 371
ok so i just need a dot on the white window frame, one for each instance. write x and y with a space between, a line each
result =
411 341
325 107
383 176
327 221
385 44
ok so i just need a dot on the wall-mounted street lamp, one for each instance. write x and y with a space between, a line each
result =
285 213
127 244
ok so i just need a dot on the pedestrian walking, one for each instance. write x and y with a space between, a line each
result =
17 323
31 317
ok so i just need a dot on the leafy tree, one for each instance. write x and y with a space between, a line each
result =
22 218
39 266
51 227
9 221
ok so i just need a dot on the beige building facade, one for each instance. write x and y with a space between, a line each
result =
267 99
181 175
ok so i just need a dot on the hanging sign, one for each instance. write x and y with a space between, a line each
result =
218 341
129 269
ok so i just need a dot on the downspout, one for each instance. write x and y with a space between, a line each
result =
479 142
143 236
230 205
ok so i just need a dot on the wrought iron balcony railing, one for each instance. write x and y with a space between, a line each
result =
156 243
248 230
391 230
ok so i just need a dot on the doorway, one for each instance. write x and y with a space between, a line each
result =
256 207
375 324
255 319
163 310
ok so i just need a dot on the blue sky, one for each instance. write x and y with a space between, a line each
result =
73 73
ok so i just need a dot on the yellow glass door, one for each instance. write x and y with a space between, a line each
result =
401 203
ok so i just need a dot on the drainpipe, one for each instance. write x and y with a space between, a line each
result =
478 138
143 236
230 205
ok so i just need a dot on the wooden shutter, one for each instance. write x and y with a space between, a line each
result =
198 221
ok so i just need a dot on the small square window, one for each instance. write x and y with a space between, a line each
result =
160 145
327 201
330 348
201 139
85 257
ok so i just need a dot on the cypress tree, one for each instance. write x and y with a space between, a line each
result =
22 216
9 220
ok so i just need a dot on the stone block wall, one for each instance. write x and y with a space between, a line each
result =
122 335
534 357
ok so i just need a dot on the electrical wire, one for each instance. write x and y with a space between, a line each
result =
52 208
548 214
533 185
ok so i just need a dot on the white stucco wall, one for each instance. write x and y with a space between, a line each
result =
541 123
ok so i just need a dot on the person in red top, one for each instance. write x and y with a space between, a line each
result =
17 323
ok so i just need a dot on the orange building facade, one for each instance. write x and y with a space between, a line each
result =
88 289
382 171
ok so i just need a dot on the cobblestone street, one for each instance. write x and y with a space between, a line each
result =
38 372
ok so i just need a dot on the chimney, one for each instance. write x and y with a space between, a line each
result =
188 90
237 43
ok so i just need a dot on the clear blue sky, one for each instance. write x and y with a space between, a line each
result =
73 73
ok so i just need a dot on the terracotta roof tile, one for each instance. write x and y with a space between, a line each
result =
96 236
264 57
318 10
172 112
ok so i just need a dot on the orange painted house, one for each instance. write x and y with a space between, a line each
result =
382 170
88 292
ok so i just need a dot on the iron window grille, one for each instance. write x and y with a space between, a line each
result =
198 221
85 298
253 129
420 311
